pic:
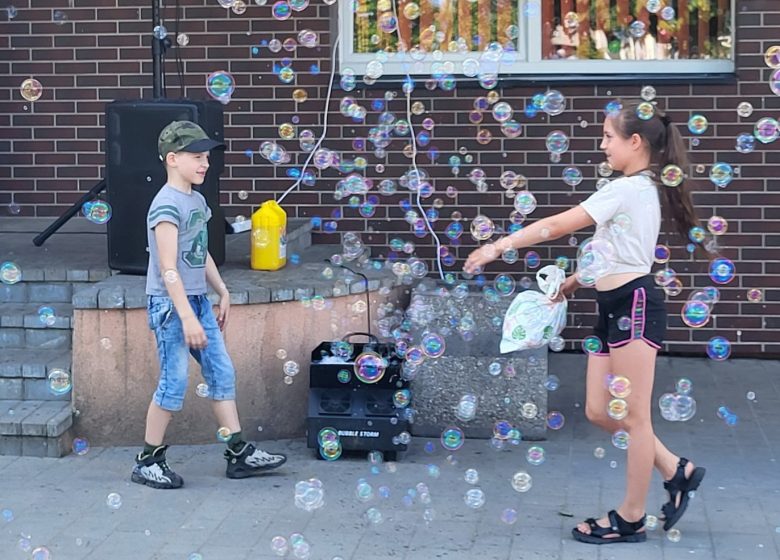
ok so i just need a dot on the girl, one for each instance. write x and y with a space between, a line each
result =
639 148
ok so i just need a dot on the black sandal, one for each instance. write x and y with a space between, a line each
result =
626 531
680 486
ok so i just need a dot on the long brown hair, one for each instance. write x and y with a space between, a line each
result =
666 148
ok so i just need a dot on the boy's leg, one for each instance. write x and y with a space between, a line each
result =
151 468
243 458
157 420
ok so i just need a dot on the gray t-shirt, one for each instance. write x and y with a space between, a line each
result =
190 213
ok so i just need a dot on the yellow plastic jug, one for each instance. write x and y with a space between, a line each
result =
269 237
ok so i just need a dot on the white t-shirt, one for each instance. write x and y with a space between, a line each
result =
628 200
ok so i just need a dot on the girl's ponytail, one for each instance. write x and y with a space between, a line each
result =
667 148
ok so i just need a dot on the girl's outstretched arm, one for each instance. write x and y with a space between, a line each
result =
546 229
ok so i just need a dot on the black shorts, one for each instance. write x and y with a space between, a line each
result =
634 311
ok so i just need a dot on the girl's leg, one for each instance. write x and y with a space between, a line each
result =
596 402
636 361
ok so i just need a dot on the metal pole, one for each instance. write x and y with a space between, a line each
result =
157 55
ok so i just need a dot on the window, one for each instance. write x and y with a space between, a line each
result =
536 37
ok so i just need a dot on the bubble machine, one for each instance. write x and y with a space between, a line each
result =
357 391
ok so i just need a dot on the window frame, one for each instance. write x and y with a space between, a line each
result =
530 65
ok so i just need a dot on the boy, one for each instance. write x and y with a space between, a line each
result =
180 314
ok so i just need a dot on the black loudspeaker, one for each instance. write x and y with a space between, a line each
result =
366 416
135 173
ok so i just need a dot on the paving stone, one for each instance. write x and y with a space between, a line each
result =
87 297
11 337
13 293
111 297
11 388
38 338
50 292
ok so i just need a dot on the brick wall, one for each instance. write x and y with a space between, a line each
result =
52 149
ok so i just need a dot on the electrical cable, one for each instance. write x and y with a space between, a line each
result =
336 46
408 91
365 278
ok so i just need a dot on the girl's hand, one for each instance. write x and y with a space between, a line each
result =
569 286
479 258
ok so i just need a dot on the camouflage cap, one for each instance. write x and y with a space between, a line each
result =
184 136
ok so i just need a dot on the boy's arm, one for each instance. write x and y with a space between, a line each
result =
214 279
166 236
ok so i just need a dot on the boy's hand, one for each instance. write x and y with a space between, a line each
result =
224 311
194 335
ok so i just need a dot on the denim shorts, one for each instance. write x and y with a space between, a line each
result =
634 311
172 350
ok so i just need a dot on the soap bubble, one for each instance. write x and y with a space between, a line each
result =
370 367
698 124
291 368
745 143
745 109
31 89
279 546
309 494
718 348
80 446
525 202
471 476
223 434
97 211
766 130
595 258
557 343
674 535
672 175
46 315
482 228
467 408
695 313
722 271
433 345
599 453
59 381
557 142
281 10
220 85
202 390
721 174
452 438
621 439
684 386
572 176
754 295
772 56
535 455
555 420
645 111
619 386
617 409
509 516
554 103
114 500
717 225
474 498
522 481
552 382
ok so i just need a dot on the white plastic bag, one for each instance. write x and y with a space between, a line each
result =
534 318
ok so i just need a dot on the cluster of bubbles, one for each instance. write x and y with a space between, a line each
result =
329 444
309 494
679 406
296 546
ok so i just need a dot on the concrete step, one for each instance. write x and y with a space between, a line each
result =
34 339
35 428
26 315
29 290
23 362
24 373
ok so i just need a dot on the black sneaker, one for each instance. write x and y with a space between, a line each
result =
249 461
153 470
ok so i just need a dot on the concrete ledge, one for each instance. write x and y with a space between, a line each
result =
470 325
116 368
